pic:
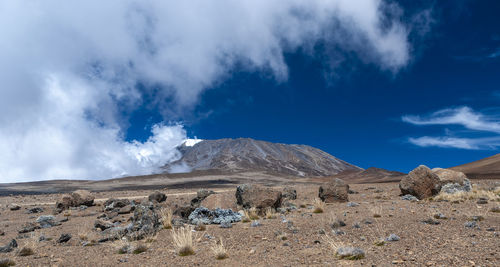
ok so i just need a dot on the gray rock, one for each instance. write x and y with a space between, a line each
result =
9 247
34 210
482 201
113 203
47 221
226 224
98 224
29 227
255 224
352 204
289 193
14 206
217 216
337 223
440 216
200 196
392 238
453 188
350 253
144 222
431 221
472 224
409 197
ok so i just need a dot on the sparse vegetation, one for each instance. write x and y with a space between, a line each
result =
200 227
376 211
139 248
166 218
219 250
319 206
475 193
270 213
29 247
183 241
122 246
250 215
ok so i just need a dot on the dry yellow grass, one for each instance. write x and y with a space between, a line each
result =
251 214
183 241
475 193
270 213
319 206
166 218
219 250
376 211
29 246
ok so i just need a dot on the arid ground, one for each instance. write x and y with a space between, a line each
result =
296 238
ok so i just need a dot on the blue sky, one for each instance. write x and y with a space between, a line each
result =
95 90
358 116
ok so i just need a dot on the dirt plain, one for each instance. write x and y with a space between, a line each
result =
449 243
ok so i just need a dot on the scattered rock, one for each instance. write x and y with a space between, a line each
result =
29 227
98 224
226 224
217 216
409 197
112 204
337 223
482 201
34 210
352 204
64 238
350 192
47 221
75 199
14 206
491 229
431 221
255 224
289 193
440 216
9 247
421 183
472 224
392 238
356 225
157 197
350 253
334 191
477 218
495 209
258 196
367 221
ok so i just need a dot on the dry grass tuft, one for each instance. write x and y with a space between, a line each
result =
140 248
219 250
122 246
166 218
376 211
183 241
319 206
270 213
475 193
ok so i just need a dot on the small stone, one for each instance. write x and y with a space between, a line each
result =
64 238
392 238
482 201
34 210
431 222
352 204
256 224
322 232
356 225
440 216
14 206
47 221
409 197
472 224
477 218
491 229
226 224
495 209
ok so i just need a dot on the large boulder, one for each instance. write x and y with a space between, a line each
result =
421 183
258 196
144 222
334 191
115 204
452 181
223 201
75 199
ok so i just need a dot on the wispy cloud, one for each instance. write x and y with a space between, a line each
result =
462 116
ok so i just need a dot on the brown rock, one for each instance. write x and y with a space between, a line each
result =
223 201
157 197
334 191
421 183
448 176
75 199
289 193
258 196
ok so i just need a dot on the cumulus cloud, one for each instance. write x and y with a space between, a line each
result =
462 116
71 71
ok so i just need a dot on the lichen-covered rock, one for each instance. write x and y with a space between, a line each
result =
217 216
115 204
157 197
421 183
350 253
144 222
334 191
258 196
47 221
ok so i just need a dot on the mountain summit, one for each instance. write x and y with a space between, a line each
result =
245 154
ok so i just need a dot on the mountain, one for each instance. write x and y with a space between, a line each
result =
370 175
487 168
245 154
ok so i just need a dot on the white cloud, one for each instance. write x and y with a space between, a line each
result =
70 70
463 116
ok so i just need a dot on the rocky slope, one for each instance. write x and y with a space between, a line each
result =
487 168
244 154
